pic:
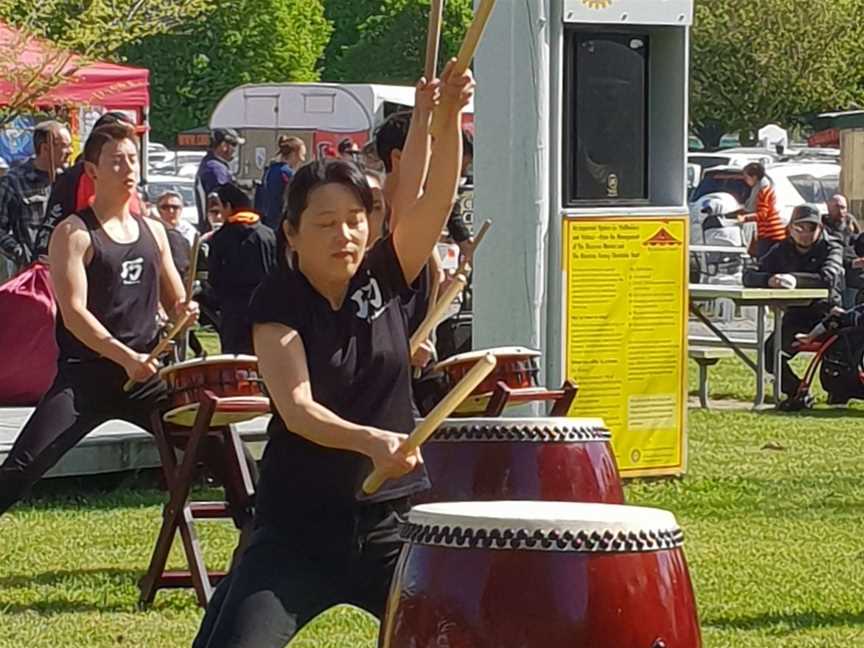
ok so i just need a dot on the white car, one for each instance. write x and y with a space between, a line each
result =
159 184
794 184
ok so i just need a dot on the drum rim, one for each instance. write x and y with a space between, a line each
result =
213 359
498 352
626 529
527 430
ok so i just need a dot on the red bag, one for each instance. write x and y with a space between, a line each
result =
27 343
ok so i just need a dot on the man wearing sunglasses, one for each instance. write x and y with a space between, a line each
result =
806 259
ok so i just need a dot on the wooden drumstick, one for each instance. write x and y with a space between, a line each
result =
433 38
162 346
437 311
426 428
464 267
463 60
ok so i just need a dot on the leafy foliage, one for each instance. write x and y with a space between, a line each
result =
772 61
391 44
240 41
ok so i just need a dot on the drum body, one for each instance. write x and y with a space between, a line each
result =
517 367
551 459
568 580
234 379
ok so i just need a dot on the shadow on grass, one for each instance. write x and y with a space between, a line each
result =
787 622
67 581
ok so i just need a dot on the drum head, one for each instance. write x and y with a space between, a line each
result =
543 526
209 360
498 352
228 411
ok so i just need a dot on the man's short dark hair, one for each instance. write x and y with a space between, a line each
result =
103 135
230 194
755 170
391 136
112 117
43 131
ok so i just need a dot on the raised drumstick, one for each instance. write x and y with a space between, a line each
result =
433 38
162 346
463 60
464 267
437 311
426 428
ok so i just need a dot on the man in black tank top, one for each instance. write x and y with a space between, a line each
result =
107 267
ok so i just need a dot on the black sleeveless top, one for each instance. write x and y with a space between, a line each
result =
122 290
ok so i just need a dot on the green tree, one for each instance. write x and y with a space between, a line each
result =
346 17
392 43
73 33
772 61
240 41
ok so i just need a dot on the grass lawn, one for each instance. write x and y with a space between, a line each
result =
772 506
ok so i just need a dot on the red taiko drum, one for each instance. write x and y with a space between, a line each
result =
517 367
233 379
550 459
541 575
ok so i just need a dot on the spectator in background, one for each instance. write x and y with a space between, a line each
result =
808 258
24 195
277 176
241 254
73 190
843 226
761 208
170 206
215 170
349 151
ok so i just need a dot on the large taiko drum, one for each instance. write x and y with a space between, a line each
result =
541 575
233 379
552 459
517 367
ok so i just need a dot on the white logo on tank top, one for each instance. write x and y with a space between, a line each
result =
131 271
368 300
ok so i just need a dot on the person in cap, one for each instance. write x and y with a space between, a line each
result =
808 258
215 170
276 178
348 150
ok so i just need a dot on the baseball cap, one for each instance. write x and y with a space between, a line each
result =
226 135
806 213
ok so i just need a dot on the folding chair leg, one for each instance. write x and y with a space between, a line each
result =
562 406
179 488
195 558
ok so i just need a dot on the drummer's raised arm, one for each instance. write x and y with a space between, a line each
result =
415 237
415 156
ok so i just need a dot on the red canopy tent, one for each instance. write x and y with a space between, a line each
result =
88 84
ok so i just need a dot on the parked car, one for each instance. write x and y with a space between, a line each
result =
737 158
179 163
159 184
794 184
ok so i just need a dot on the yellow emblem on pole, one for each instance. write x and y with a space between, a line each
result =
597 4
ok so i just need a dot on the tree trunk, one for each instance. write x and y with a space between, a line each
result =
710 133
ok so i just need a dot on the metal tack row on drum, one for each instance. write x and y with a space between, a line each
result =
541 575
558 459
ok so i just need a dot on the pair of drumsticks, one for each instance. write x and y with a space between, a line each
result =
484 367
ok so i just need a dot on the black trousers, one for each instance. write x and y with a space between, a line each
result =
795 320
84 396
286 578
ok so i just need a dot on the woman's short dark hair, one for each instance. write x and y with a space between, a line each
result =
755 170
320 172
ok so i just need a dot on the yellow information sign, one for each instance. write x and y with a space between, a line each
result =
626 335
